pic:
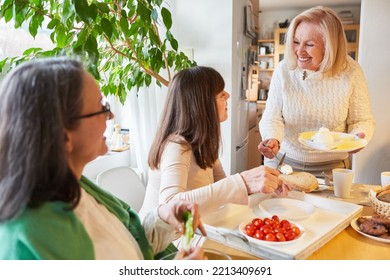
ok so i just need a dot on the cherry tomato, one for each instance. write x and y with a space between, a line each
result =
257 222
270 237
290 235
285 224
296 230
280 237
275 218
268 221
266 229
259 235
250 229
280 229
276 225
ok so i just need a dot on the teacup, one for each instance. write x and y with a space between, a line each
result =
385 178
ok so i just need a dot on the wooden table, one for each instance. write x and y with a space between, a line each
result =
347 245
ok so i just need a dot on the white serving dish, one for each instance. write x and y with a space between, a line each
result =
344 142
329 218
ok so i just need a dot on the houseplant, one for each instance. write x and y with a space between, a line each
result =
126 43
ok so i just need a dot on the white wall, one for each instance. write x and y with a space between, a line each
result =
213 30
374 56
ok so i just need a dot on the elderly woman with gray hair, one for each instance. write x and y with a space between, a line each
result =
52 123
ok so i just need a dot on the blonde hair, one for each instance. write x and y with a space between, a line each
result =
332 31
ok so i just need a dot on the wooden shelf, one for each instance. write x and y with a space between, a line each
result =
265 41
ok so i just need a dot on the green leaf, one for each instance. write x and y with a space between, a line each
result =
153 37
92 11
2 64
33 28
103 7
124 24
107 27
67 11
143 12
53 23
8 14
35 23
61 37
81 38
7 3
174 44
133 28
31 50
167 18
82 9
20 17
91 44
148 80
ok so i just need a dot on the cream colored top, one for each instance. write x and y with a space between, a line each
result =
294 105
180 176
111 239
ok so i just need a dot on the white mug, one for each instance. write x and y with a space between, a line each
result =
342 182
385 178
263 64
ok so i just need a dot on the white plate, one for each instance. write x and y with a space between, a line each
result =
263 242
344 142
355 226
287 208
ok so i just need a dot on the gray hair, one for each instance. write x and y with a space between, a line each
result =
39 100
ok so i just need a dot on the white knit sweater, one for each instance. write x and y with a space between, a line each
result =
295 105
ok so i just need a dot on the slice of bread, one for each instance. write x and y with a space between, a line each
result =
301 181
384 194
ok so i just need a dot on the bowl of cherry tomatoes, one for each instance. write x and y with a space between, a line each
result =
272 230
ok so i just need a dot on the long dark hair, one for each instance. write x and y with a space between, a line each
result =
190 111
39 100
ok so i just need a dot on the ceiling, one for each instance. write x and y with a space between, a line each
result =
288 4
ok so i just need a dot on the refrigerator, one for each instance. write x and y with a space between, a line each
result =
248 90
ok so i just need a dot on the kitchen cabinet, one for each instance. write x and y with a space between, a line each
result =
352 34
280 34
266 61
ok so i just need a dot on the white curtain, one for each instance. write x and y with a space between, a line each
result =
141 113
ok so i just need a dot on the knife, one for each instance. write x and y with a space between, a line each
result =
281 161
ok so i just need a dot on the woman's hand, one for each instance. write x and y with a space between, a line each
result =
261 179
172 212
269 148
195 253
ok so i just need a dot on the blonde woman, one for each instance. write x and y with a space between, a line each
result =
316 85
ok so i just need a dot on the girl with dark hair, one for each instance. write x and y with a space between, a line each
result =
51 125
183 159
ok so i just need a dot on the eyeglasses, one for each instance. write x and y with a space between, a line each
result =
105 110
